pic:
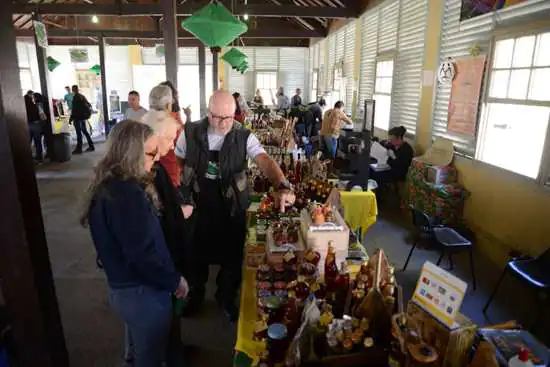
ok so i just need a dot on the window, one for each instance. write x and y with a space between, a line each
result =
25 79
517 105
314 85
382 93
266 82
337 85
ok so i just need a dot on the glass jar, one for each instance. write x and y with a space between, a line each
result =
273 307
277 342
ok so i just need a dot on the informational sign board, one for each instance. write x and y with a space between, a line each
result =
41 34
440 293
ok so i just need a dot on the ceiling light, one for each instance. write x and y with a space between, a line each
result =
245 16
95 19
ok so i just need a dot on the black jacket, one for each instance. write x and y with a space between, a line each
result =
81 108
32 110
171 218
233 164
403 158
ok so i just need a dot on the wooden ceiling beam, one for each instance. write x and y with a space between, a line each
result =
187 42
268 32
123 9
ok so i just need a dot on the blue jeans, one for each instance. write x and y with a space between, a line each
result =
81 127
331 144
35 132
147 313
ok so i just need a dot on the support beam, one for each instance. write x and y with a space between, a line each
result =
215 73
202 80
170 33
102 64
27 284
258 10
270 32
45 90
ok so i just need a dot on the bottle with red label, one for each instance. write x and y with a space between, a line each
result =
341 289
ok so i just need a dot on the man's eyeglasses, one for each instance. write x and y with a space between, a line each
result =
220 118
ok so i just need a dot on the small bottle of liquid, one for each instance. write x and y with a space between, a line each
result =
521 360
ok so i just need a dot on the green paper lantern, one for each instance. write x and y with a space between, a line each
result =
234 57
214 25
52 63
242 67
96 69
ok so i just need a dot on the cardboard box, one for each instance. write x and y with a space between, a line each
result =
453 344
318 239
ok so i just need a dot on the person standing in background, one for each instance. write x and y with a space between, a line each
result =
135 111
160 99
282 103
35 128
80 113
68 98
316 109
330 128
296 100
258 99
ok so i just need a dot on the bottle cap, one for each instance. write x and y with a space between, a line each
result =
523 355
277 331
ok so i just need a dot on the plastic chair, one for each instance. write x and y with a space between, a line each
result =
443 239
532 271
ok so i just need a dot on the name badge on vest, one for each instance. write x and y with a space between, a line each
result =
213 171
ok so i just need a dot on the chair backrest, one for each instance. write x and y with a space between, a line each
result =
422 223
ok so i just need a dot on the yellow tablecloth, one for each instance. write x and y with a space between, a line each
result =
360 209
247 317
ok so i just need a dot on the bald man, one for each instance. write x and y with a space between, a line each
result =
214 153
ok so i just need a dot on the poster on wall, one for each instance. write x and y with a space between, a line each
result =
465 94
474 8
78 55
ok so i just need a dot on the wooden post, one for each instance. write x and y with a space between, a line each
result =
27 283
170 33
104 98
202 79
215 74
43 74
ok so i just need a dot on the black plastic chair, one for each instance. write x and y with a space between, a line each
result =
532 271
443 239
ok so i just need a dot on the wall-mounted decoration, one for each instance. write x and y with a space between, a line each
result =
52 63
474 50
465 94
446 72
79 55
474 8
41 34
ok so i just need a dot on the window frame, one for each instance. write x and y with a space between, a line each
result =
379 59
314 84
486 99
266 71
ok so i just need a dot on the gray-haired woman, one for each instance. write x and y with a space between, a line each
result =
121 210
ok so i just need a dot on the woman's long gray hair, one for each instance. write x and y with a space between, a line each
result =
124 159
159 97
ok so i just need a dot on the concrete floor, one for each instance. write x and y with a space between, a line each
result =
94 333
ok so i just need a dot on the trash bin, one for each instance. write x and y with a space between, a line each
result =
61 147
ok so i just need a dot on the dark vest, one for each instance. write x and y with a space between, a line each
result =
233 163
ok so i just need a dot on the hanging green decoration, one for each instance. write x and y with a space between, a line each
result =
234 57
52 63
243 67
214 25
96 69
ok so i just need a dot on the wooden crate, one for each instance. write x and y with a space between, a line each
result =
452 344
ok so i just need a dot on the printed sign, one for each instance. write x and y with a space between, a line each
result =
440 293
41 35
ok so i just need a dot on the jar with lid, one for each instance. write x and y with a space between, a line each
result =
273 307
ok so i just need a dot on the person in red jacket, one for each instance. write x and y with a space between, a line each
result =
165 97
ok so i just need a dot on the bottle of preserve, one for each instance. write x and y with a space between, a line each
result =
331 268
341 289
